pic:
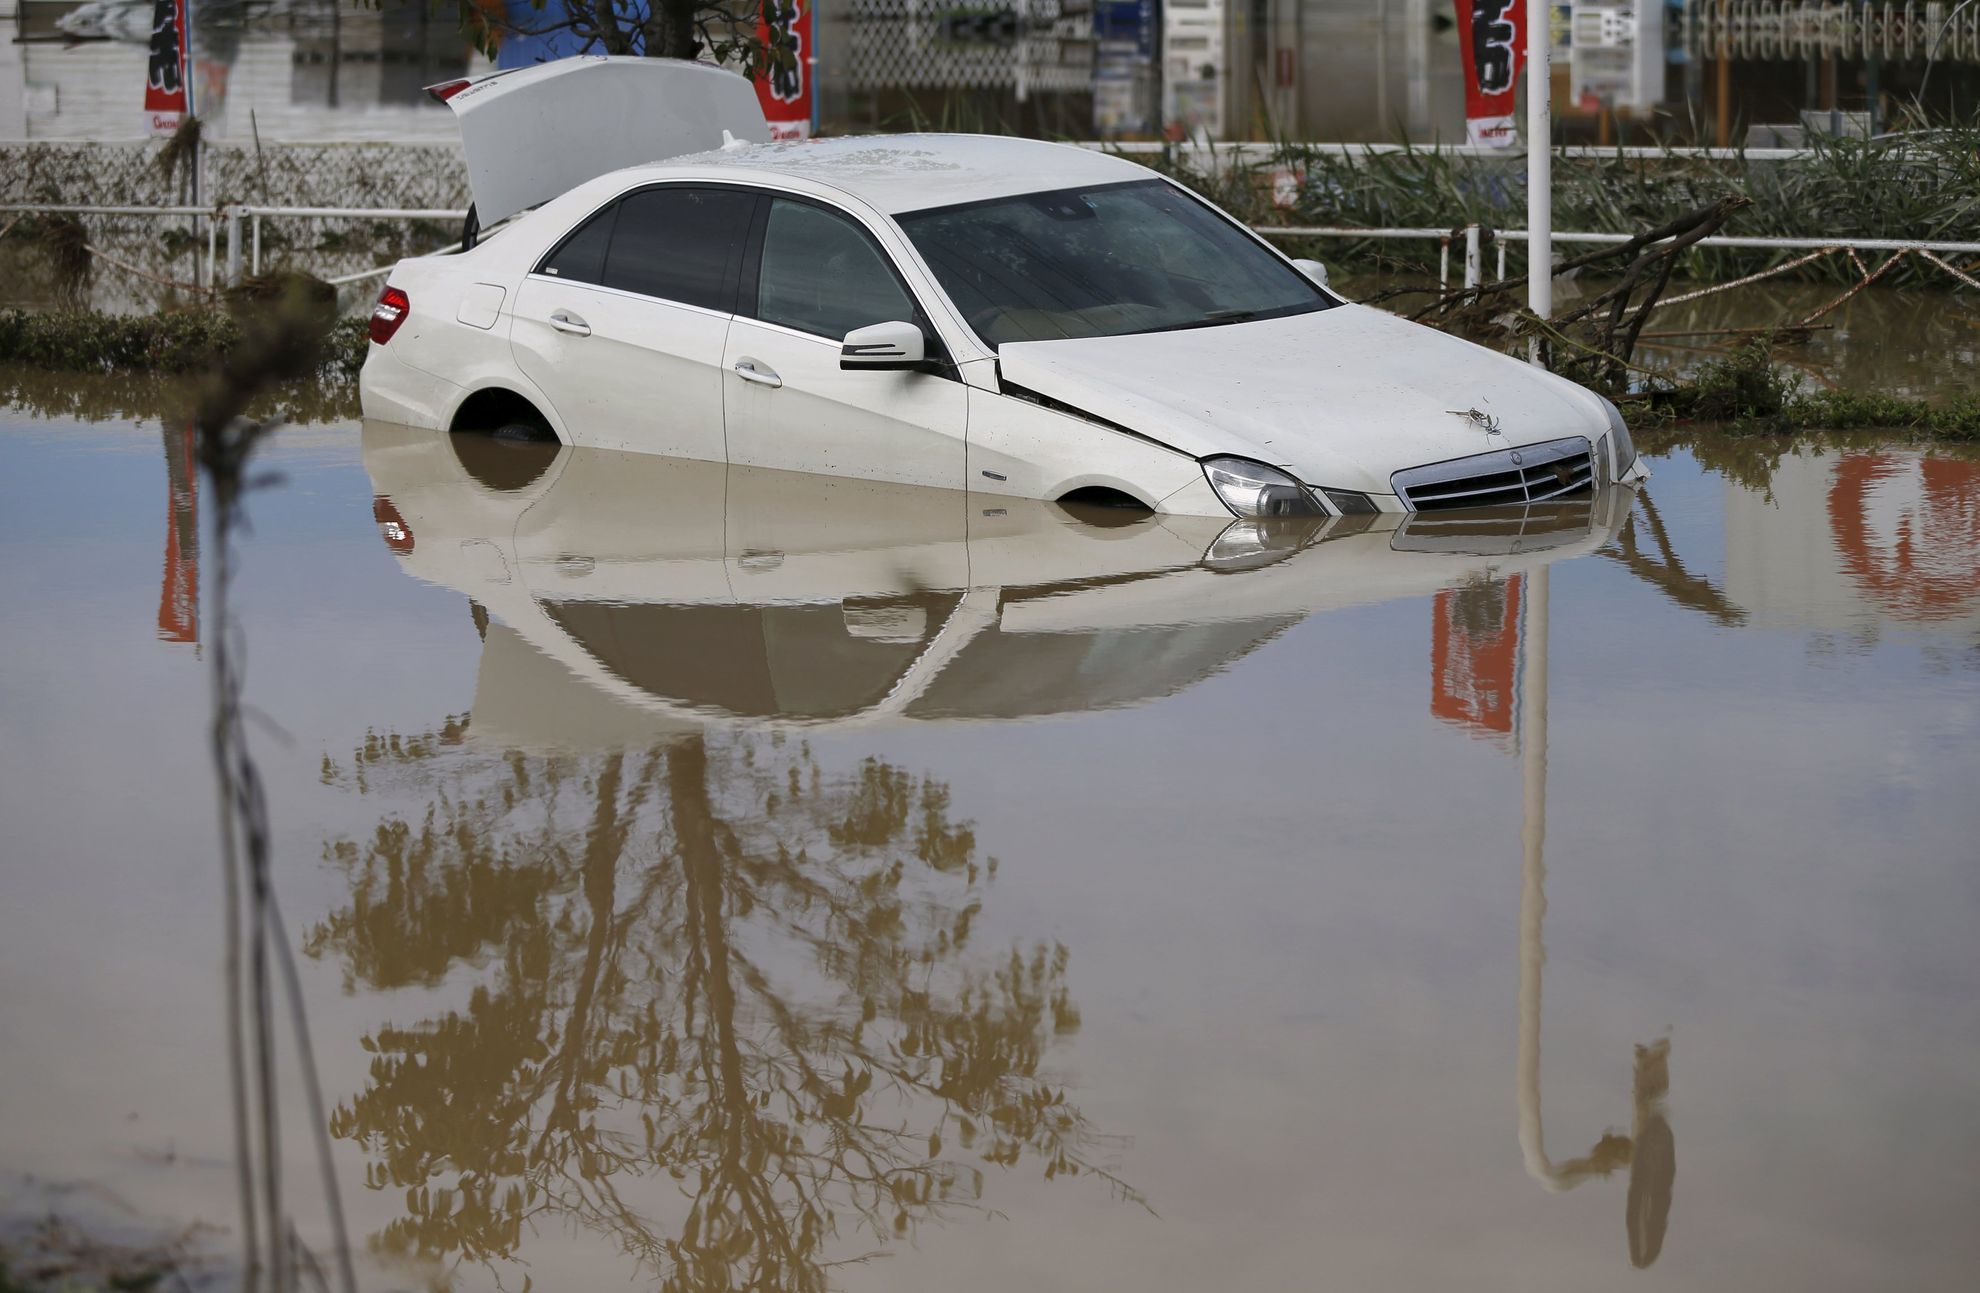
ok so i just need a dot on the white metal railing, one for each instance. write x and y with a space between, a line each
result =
1251 152
225 267
1472 237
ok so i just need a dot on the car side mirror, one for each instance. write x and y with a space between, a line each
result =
885 347
1313 269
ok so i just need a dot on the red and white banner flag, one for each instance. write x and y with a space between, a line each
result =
1491 34
784 88
168 83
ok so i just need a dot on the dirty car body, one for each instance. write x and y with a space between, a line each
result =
1005 316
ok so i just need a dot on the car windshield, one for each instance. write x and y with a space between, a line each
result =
1103 261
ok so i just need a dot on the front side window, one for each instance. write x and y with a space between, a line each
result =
821 273
676 243
1101 262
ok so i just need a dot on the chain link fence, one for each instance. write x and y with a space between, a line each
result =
392 174
146 262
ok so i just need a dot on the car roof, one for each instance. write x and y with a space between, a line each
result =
902 173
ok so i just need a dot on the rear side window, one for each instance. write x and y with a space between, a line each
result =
678 243
823 274
581 258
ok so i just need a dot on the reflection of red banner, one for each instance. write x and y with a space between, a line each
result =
1491 38
1908 531
178 593
168 84
1474 656
784 87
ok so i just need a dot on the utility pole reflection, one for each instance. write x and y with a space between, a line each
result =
1650 1150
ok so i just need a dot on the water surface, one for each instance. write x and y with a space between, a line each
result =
715 878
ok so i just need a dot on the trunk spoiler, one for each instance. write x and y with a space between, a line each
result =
532 133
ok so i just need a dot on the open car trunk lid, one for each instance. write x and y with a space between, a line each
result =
533 133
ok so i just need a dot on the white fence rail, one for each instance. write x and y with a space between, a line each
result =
224 267
1472 238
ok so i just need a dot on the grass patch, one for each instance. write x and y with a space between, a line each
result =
173 341
1747 392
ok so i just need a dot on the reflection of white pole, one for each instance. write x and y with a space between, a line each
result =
1533 870
1539 164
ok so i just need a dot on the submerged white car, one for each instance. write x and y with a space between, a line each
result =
1003 316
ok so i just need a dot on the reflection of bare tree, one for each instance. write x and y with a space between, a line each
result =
738 980
1665 571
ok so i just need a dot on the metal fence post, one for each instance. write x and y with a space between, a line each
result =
233 218
1474 260
254 247
1444 265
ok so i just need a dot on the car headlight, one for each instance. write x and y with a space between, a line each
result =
1621 448
1254 491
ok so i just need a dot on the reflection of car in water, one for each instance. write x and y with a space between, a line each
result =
683 592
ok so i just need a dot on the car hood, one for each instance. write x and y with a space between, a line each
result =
1340 397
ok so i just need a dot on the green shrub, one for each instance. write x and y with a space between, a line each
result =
1747 391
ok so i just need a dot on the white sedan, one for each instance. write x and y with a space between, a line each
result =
1005 316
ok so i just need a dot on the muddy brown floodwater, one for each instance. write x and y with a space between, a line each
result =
714 879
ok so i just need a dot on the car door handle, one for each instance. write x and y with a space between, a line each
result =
762 374
565 321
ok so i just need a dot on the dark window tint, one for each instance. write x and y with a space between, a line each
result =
678 243
1100 262
582 257
823 274
753 661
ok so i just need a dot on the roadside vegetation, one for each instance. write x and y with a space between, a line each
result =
1746 391
170 342
119 366
1922 184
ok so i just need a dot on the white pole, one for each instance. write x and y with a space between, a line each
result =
1539 164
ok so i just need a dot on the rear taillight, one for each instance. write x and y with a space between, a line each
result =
391 311
447 89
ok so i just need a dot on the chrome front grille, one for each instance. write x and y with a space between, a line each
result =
1532 473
